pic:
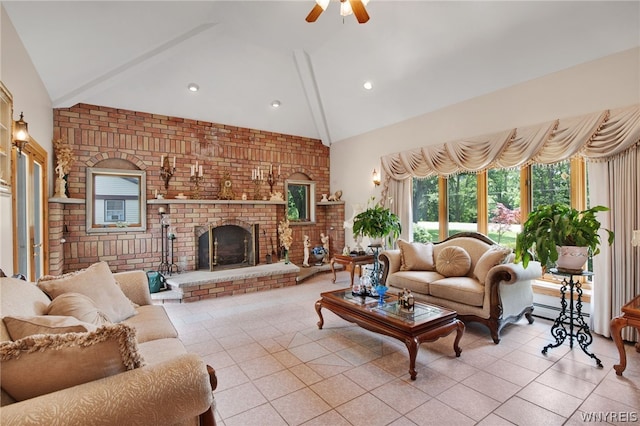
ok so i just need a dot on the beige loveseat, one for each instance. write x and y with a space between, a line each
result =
467 272
87 370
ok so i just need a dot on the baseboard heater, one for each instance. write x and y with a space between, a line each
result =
542 310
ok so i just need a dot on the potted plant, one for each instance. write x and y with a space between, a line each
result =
377 222
552 227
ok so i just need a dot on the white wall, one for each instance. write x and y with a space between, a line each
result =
609 82
30 96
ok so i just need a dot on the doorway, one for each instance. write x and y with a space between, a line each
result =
29 211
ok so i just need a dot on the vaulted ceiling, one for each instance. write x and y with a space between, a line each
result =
419 55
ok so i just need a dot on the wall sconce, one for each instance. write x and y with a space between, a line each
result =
20 134
166 171
635 238
375 177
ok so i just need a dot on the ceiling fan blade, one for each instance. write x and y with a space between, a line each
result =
358 9
315 12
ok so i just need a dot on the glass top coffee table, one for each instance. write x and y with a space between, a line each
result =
426 323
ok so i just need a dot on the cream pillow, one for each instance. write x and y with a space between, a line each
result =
19 326
495 255
97 283
78 306
453 261
45 363
415 256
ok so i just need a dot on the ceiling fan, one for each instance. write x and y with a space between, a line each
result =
347 7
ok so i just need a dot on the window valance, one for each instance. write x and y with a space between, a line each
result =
596 137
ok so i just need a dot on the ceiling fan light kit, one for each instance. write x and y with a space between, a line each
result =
347 7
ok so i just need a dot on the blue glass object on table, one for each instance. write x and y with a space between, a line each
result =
381 290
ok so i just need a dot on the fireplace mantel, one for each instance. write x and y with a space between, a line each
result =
176 201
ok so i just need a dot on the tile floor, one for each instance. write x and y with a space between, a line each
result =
275 367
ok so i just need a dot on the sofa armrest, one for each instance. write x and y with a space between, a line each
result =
510 273
391 261
165 393
135 286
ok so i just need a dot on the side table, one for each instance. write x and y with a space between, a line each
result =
344 259
571 317
630 317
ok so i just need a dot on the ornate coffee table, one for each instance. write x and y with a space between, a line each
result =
426 323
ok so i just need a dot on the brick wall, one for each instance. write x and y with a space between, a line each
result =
97 133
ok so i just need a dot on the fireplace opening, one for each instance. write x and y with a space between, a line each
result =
228 246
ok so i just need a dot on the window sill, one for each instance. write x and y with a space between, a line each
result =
553 289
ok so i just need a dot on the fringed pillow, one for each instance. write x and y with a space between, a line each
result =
97 283
45 363
23 326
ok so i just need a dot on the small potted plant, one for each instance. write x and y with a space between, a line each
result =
552 230
377 222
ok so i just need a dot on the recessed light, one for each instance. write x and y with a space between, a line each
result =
368 85
193 87
275 104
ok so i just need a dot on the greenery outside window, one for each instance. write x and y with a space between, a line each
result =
300 201
462 194
495 202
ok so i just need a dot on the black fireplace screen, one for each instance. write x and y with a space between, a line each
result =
228 246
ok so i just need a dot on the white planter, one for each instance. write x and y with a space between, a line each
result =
572 258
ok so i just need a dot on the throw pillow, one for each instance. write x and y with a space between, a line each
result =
19 326
97 283
453 261
495 255
78 306
45 363
415 256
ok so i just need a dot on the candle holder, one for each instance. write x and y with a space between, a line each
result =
166 170
272 177
257 182
197 180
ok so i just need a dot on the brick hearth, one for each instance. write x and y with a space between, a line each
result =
197 285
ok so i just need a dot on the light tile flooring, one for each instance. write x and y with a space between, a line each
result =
275 367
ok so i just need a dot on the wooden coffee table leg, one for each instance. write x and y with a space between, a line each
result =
617 324
459 333
353 270
412 346
333 260
318 307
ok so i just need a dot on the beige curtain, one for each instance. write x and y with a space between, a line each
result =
616 183
608 140
595 136
396 195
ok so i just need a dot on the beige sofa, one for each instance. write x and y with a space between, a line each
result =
483 285
84 377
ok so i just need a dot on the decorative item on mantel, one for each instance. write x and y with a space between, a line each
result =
65 158
226 188
272 178
196 177
166 171
336 196
286 238
257 177
277 196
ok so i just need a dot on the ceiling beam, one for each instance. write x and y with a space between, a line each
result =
310 87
